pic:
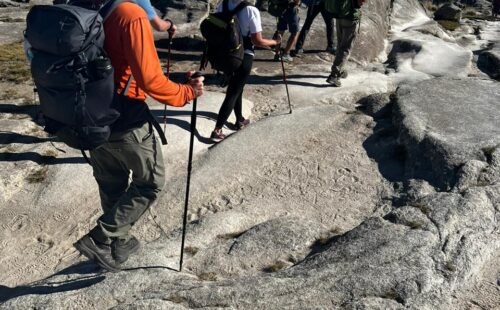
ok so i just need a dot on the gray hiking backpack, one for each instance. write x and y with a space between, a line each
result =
72 72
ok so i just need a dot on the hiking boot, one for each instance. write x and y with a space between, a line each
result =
331 50
287 58
334 80
242 123
343 75
297 52
121 249
217 135
98 252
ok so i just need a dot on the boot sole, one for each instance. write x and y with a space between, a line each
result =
92 255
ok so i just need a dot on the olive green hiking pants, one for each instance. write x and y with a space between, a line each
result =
130 173
346 34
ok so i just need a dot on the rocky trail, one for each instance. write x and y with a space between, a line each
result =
381 194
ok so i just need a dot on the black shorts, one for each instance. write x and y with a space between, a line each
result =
290 20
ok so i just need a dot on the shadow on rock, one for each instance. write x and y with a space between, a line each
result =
7 137
382 145
30 110
278 80
186 125
185 44
40 159
86 269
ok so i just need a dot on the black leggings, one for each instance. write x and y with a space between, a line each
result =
234 92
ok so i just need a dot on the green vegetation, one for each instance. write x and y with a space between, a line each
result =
13 64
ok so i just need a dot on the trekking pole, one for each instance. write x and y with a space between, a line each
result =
284 78
281 52
189 168
168 76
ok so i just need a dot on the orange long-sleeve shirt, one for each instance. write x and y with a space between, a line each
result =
130 45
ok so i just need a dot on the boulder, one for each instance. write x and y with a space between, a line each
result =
489 62
449 12
370 42
444 123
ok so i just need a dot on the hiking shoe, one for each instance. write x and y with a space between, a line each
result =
331 50
343 75
217 135
334 80
242 123
297 52
287 58
98 252
121 249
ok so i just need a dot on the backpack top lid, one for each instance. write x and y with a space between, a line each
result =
66 29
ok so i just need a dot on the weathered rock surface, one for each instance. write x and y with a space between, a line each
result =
413 258
320 209
445 123
187 15
370 41
419 50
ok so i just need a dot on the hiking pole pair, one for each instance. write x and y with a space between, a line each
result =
282 51
189 168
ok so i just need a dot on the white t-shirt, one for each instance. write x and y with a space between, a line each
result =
249 19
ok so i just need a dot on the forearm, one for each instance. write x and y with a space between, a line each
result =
146 69
160 24
258 40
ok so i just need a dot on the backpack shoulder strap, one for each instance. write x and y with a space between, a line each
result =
108 8
225 6
240 7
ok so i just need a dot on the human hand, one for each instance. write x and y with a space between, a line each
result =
277 39
172 31
196 82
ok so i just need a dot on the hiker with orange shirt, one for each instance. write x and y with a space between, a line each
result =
133 150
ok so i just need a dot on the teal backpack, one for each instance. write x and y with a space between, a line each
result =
344 9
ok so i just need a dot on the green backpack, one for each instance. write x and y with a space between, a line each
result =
344 9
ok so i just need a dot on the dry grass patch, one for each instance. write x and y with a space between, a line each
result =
13 63
449 24
277 266
208 276
191 250
38 175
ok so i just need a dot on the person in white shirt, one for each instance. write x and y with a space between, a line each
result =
251 30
